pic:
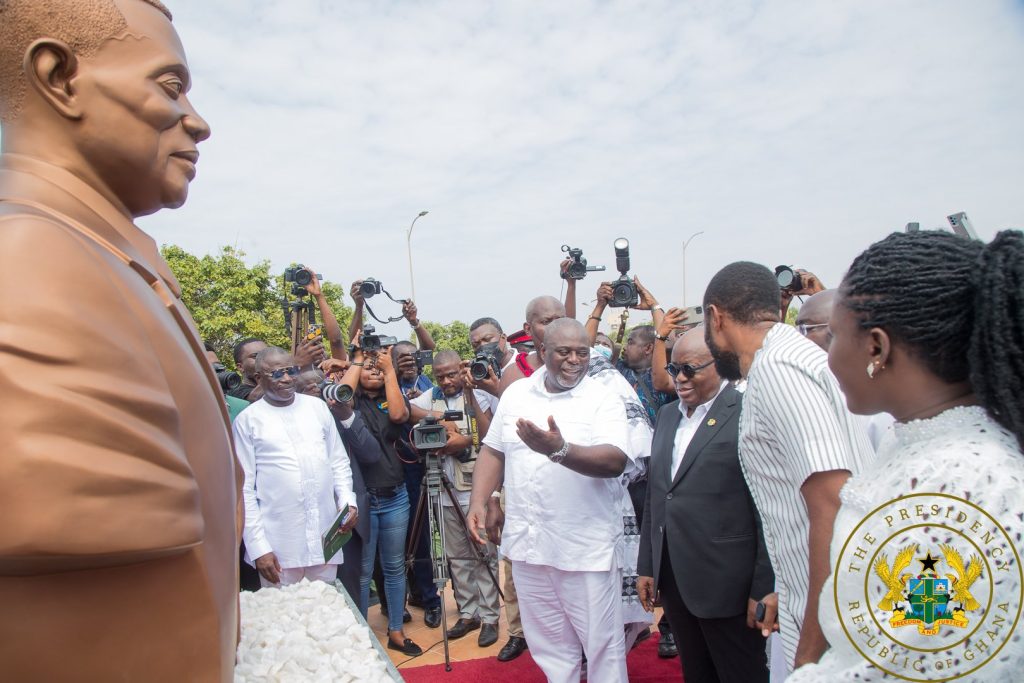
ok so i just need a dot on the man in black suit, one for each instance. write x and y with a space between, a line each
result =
701 544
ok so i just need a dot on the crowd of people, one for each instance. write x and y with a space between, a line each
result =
719 465
703 466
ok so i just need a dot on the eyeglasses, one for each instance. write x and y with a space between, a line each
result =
689 371
279 373
804 329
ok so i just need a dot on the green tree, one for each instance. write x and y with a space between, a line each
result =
454 336
231 300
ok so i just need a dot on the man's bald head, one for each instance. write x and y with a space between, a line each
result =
271 354
543 306
815 314
540 312
83 24
566 331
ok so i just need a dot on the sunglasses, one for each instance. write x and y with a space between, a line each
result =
291 372
804 329
689 371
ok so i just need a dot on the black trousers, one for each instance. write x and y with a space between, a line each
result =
352 567
712 650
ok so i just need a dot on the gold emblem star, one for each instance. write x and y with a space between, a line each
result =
712 422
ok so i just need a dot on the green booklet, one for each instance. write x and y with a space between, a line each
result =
333 538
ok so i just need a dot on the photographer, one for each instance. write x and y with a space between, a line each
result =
331 327
486 333
409 312
363 451
385 410
635 360
806 284
411 379
476 593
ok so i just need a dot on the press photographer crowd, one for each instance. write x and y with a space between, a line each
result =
700 461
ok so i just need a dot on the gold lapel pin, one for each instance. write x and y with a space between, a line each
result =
712 422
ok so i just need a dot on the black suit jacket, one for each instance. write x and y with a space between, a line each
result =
704 515
363 449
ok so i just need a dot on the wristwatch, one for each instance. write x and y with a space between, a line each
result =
660 338
558 456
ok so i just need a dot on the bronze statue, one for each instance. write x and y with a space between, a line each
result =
118 539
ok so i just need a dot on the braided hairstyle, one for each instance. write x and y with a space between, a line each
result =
958 304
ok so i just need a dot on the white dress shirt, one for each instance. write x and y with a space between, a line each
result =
297 478
554 516
688 427
794 423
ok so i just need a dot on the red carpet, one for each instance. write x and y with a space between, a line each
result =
643 665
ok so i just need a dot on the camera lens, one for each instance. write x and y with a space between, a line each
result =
341 393
368 289
787 278
478 369
303 277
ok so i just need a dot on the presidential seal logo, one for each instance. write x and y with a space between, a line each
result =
927 587
926 601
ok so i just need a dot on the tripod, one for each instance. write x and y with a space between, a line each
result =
431 507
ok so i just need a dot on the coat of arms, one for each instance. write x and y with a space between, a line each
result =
926 600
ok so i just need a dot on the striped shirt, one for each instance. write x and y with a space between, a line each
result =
794 423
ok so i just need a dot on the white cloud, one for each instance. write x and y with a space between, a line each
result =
789 132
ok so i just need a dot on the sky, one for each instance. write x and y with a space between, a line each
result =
792 133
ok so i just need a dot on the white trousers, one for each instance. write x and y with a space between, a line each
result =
565 613
318 572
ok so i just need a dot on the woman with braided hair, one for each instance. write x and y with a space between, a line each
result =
929 326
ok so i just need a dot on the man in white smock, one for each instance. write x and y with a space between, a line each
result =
297 477
559 442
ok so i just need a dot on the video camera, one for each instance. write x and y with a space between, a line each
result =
429 434
488 358
578 269
228 380
788 279
339 393
368 341
299 276
624 292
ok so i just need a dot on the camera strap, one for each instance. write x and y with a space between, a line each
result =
391 319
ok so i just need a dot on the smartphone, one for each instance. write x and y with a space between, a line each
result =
314 331
759 612
694 315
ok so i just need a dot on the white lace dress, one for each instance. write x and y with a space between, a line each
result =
961 453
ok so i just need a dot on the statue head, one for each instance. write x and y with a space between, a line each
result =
99 87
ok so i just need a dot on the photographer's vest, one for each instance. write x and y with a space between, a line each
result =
462 478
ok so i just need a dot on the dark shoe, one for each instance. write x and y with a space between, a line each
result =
667 646
515 646
462 627
488 635
432 617
406 648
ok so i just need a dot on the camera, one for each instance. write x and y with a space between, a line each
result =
299 276
430 434
368 341
370 287
788 279
488 357
340 393
228 380
578 268
624 292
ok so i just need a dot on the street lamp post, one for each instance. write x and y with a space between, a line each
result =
408 245
685 245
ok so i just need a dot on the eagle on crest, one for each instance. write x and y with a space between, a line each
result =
893 577
964 577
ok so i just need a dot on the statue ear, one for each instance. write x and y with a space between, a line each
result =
49 66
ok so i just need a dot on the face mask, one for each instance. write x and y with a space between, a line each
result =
604 351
